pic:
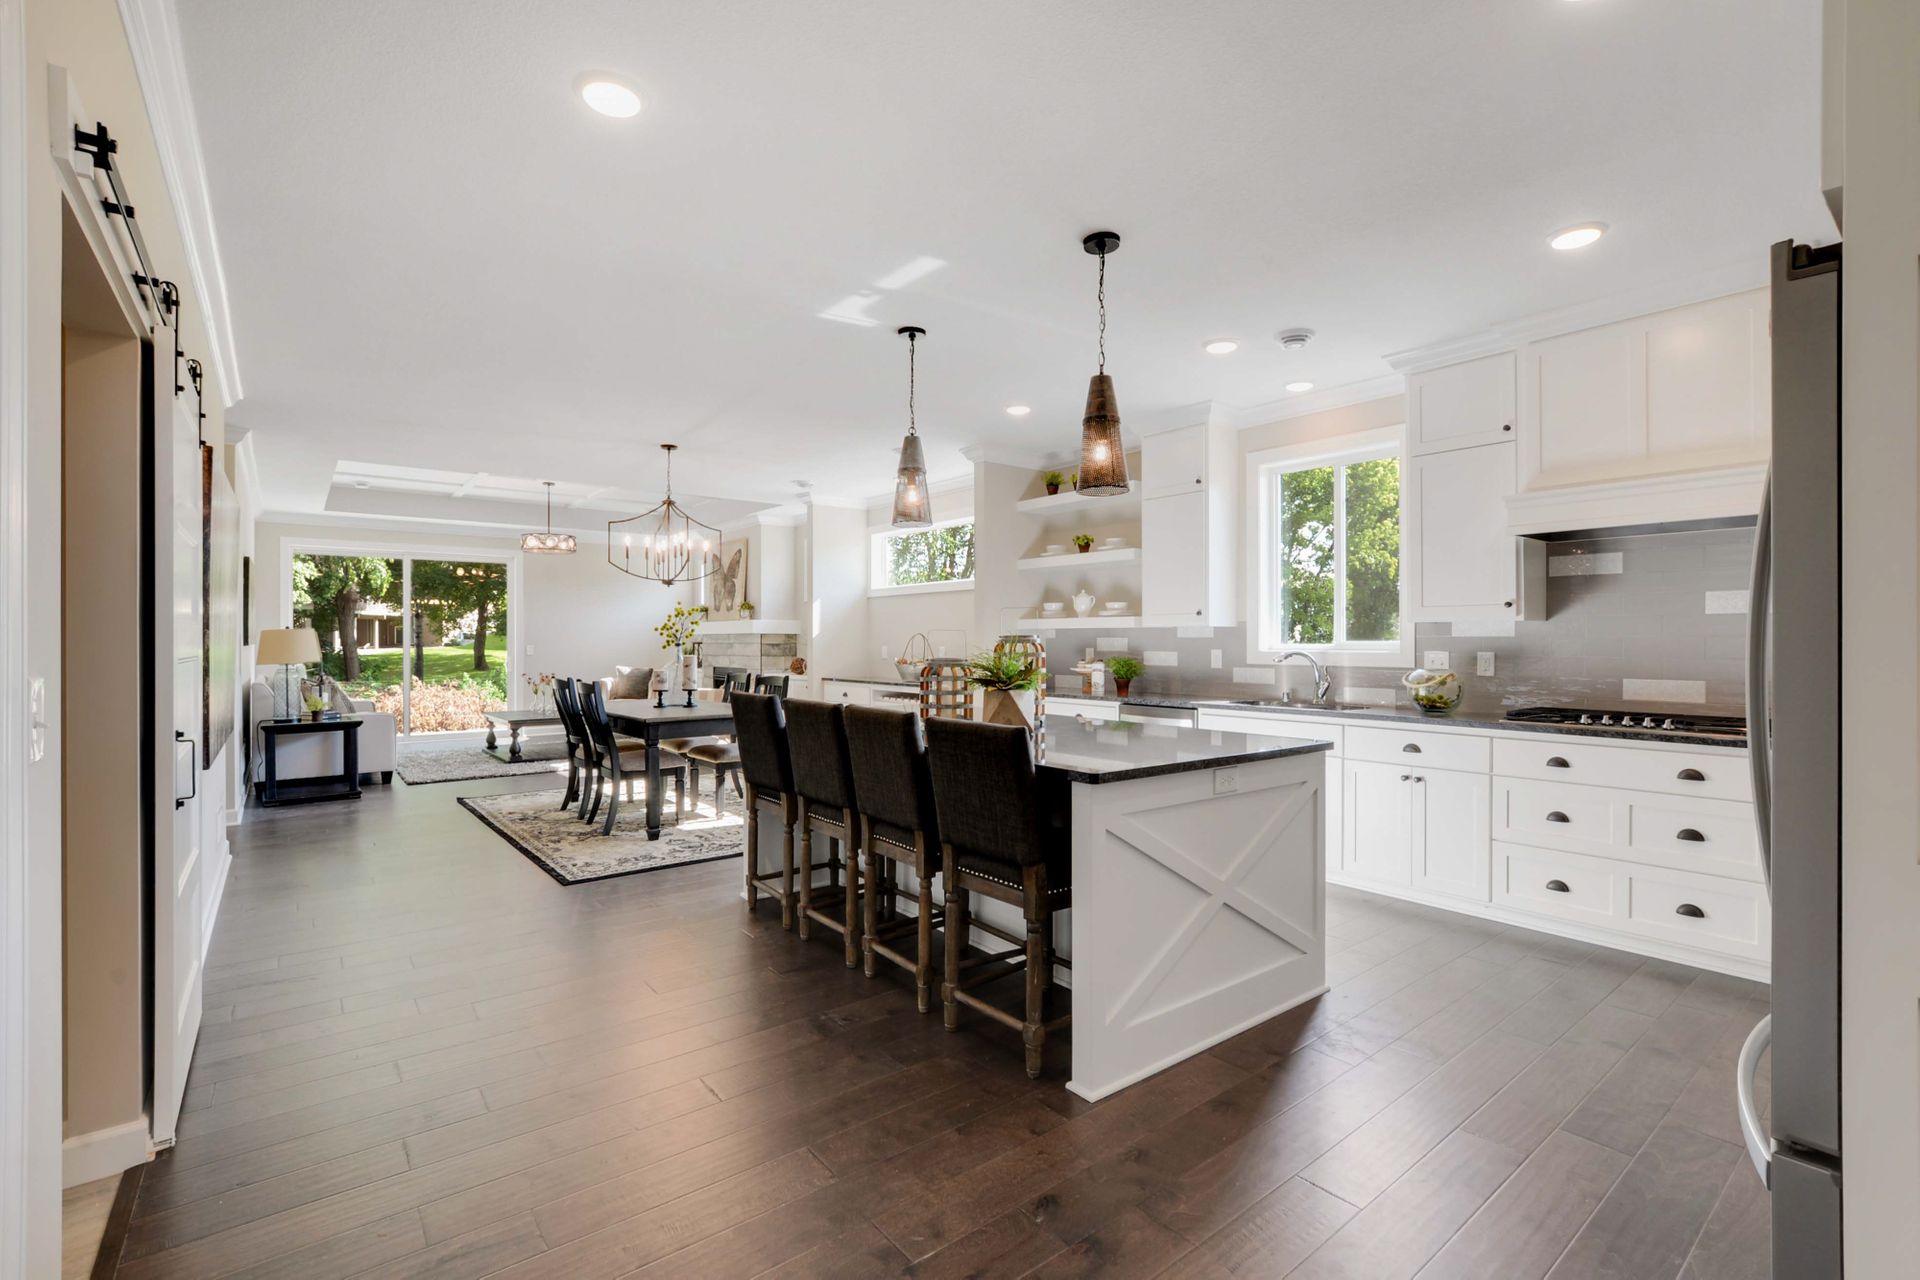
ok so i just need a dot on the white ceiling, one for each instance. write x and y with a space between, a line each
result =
440 259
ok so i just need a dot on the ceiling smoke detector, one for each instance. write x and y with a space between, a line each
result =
1293 339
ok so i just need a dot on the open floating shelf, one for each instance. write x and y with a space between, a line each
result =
1074 622
1074 500
1076 559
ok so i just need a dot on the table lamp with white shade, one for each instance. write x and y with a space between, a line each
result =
287 647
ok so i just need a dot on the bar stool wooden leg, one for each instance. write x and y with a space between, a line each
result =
753 854
923 971
1034 1030
851 848
958 923
870 912
806 870
786 862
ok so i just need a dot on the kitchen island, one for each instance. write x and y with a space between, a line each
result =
1199 888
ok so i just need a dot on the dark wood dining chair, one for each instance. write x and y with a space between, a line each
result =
766 762
899 828
616 762
822 774
566 702
1005 837
775 685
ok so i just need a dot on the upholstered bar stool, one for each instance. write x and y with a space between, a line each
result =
766 762
822 774
1002 837
893 793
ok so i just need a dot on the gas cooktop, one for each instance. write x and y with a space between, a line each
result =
1640 721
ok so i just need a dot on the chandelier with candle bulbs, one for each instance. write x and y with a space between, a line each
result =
663 544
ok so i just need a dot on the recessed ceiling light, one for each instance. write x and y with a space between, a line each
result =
1577 237
609 97
1019 410
1299 386
1222 347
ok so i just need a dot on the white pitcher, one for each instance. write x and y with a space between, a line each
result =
1083 603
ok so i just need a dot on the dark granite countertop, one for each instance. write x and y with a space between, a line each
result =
905 684
1084 751
1467 718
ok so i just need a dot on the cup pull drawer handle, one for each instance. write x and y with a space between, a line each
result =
1557 816
1413 747
1558 762
1688 833
1558 886
1690 911
1691 775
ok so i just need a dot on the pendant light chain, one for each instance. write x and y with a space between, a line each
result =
913 426
1103 313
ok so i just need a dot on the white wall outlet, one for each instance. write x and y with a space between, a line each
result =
1483 663
1216 659
886 652
529 651
1226 781
37 713
1435 660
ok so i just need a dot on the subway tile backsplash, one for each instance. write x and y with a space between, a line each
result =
1668 627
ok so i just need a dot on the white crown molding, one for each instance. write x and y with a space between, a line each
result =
153 34
1718 282
1016 456
1299 406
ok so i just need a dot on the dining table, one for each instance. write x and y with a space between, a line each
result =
641 718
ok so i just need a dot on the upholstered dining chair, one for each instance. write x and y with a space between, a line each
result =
822 774
893 793
766 761
1005 838
616 762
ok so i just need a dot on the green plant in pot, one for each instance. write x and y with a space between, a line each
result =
1124 669
1009 685
1083 541
1053 480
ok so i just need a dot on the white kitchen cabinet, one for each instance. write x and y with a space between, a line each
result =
1173 562
1189 526
1450 834
1378 823
850 692
1086 708
1177 461
1458 559
1677 391
1461 405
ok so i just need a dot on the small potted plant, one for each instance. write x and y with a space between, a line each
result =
1083 542
1053 480
1073 480
1125 669
316 705
746 610
1009 684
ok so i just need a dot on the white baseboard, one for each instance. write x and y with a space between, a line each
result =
104 1152
214 893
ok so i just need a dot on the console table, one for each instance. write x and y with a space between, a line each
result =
342 786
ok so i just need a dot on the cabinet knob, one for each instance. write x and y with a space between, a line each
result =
1413 747
1558 886
1688 833
1509 604
1406 777
1507 426
1691 775
1557 816
1690 911
1196 479
1558 762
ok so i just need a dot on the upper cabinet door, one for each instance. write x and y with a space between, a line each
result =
1174 461
1461 404
1175 558
1457 558
1683 390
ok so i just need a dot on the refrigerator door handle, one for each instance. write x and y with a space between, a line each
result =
1759 741
1759 1141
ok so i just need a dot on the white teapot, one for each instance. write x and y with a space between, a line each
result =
1083 603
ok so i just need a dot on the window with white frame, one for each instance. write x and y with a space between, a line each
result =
1329 553
931 559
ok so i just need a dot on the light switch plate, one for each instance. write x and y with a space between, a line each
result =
1483 663
37 713
1226 781
1435 660
1216 659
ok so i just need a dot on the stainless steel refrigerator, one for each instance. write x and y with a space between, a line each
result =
1793 729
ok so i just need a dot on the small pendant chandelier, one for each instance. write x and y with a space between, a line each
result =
1103 457
671 545
548 543
911 508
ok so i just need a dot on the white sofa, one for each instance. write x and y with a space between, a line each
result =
318 755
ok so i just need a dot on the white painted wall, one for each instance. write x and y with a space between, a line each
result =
945 617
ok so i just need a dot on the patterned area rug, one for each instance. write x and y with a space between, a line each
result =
574 852
464 764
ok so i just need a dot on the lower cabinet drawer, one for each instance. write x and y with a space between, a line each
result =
1568 886
1090 708
1556 815
1711 836
1467 752
1700 911
1714 836
1568 758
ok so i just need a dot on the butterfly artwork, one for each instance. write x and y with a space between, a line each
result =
729 582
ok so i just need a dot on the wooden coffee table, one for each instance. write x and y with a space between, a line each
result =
515 721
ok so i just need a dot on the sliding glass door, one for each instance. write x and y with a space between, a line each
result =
424 640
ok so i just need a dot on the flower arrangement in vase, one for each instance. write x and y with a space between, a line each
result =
1009 684
676 631
540 689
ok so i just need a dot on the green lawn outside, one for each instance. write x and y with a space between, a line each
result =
446 664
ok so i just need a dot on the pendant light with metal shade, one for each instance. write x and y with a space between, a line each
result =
1103 456
548 543
911 507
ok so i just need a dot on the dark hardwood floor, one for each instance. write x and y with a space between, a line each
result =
422 1057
